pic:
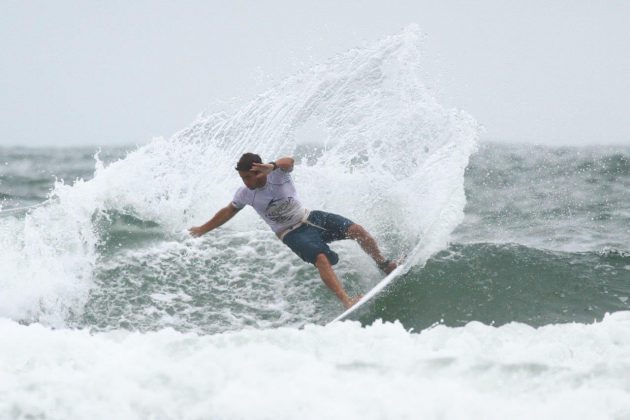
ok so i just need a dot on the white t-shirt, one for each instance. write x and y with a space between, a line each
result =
277 202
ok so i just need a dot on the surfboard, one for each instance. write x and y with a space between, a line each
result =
373 292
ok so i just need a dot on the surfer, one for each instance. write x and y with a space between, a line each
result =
269 189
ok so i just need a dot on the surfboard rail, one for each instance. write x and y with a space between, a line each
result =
373 292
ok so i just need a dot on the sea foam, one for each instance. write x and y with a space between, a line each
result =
341 371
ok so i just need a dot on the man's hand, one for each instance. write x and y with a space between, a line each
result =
265 168
222 216
196 231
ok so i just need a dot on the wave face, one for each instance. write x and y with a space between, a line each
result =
502 283
371 143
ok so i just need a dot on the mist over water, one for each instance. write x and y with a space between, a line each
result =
518 253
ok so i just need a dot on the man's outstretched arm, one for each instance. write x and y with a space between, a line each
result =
222 216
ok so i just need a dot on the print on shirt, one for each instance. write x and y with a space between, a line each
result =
282 210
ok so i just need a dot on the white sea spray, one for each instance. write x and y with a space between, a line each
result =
371 142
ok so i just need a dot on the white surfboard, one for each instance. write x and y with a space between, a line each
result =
373 292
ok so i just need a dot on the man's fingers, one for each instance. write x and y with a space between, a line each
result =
258 167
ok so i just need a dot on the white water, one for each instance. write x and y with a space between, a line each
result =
341 371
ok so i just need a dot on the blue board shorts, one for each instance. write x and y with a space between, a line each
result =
312 238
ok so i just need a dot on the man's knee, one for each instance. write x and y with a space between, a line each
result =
324 260
321 260
356 231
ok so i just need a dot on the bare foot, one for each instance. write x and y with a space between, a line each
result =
350 303
390 267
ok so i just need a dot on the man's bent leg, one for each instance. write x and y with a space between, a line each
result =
369 245
329 277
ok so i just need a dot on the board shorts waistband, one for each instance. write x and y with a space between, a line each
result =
304 219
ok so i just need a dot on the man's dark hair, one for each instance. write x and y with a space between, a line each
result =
246 161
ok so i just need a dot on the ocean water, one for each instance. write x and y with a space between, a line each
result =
516 304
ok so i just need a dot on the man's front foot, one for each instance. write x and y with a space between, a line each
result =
352 301
388 266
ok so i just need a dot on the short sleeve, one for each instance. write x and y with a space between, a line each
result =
239 198
280 176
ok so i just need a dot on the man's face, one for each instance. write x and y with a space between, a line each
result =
253 180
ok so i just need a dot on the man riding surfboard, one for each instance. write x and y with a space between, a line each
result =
269 189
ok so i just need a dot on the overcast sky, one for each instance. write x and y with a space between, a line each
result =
122 72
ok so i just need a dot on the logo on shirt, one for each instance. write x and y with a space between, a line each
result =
282 210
